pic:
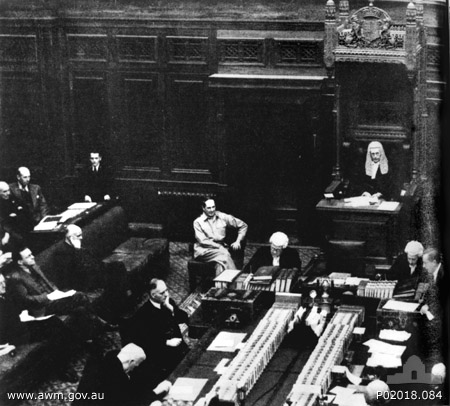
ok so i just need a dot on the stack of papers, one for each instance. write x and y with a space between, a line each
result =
358 201
384 354
394 335
348 397
388 206
401 306
186 389
226 342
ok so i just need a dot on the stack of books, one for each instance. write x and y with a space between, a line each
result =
406 288
281 280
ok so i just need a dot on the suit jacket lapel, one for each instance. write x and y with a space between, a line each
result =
41 274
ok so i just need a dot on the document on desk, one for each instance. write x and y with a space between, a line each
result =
70 213
344 396
377 346
394 335
226 342
401 306
384 360
186 389
358 201
388 206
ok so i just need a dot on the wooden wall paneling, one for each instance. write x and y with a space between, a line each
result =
143 113
191 151
90 124
187 50
21 119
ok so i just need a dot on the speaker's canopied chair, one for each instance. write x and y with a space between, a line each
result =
346 256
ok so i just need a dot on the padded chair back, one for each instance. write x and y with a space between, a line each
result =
346 256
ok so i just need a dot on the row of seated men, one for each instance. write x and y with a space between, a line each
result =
23 204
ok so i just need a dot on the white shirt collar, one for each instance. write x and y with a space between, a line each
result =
435 273
157 305
21 187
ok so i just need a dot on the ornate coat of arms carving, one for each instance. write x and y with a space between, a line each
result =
369 27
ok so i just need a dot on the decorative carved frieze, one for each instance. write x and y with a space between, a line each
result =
136 48
18 48
87 47
434 55
241 51
370 35
370 27
187 49
298 52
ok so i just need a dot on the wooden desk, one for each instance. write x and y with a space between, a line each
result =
280 374
40 240
379 228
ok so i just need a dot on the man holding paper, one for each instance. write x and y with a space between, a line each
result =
30 290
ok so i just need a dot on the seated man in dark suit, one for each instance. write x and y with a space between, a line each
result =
112 378
29 196
30 290
12 331
13 217
96 180
155 328
278 254
408 264
74 267
210 234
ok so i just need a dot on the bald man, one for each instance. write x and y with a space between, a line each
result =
29 196
113 377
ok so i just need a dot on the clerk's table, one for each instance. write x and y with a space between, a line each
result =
378 225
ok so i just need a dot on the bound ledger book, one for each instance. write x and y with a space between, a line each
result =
266 274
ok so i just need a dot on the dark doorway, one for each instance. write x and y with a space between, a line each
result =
271 166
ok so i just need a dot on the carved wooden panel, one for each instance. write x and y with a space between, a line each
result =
144 119
18 48
90 114
22 128
187 49
298 52
132 48
434 52
188 124
241 51
87 47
